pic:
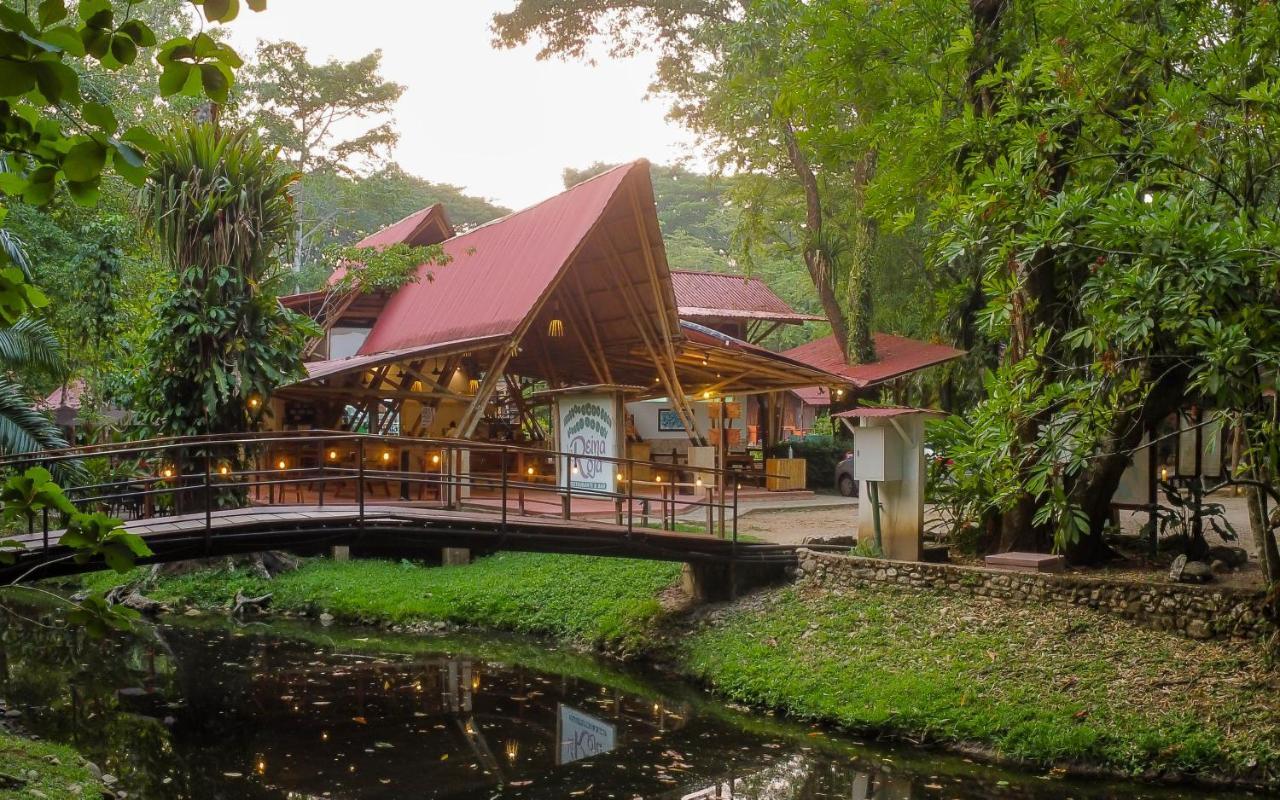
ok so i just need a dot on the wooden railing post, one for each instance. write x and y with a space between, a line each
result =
503 469
324 453
631 499
360 480
568 487
208 504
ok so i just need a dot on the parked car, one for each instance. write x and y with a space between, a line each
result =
846 479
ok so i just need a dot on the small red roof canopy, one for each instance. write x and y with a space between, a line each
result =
895 356
884 412
70 396
813 395
704 296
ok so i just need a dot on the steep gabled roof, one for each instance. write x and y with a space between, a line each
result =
499 272
895 356
421 228
719 296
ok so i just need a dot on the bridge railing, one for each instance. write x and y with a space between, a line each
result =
207 475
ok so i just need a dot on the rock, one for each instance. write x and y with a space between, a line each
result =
12 713
143 604
1196 572
1199 629
1175 569
1233 556
1219 567
192 612
841 541
94 770
326 619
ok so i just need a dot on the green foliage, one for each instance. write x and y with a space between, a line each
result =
385 269
302 106
31 493
99 535
219 203
338 209
99 618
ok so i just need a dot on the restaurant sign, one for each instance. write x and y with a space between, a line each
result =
588 428
580 735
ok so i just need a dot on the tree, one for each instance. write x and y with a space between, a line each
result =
729 65
219 203
304 107
55 136
307 108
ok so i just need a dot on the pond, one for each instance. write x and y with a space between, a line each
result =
202 708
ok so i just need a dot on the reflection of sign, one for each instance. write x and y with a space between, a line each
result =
581 735
669 420
589 427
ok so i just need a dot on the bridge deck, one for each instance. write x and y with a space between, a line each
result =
398 531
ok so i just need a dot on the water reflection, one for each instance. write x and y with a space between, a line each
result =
183 712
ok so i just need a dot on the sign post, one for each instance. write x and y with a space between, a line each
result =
589 425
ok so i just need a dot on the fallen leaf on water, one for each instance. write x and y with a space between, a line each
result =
360 720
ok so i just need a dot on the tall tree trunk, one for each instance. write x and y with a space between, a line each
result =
1095 488
821 270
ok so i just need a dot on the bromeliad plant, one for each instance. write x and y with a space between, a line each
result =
219 204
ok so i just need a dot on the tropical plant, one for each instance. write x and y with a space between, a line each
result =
219 204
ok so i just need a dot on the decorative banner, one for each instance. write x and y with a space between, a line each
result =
580 735
589 427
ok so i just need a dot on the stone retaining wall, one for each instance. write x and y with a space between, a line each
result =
1200 612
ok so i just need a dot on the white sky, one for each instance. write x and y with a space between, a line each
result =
497 122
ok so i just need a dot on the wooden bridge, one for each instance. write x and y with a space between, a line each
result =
392 497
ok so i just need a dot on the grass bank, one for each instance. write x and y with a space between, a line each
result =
604 602
1049 686
31 769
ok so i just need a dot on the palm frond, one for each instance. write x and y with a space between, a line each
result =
23 429
31 342
16 251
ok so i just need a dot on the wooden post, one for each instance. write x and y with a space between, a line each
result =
723 463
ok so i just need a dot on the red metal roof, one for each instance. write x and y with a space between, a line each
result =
813 395
717 295
426 227
895 356
884 412
499 271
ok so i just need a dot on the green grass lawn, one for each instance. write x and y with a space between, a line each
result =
1041 684
609 602
60 774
